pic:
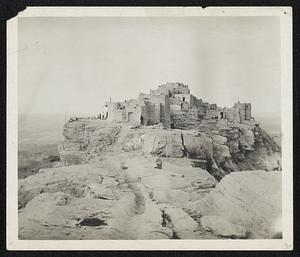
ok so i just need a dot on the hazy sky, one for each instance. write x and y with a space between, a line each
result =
74 65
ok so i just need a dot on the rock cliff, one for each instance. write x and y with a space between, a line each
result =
221 150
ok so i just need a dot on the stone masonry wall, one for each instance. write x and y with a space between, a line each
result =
163 110
185 119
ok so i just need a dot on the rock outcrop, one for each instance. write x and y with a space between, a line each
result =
221 149
100 201
85 139
222 227
184 226
224 149
250 199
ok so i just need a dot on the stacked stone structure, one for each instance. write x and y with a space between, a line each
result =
173 105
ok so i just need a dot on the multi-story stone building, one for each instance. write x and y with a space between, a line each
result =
174 106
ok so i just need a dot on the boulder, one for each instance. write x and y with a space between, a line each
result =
159 144
132 142
233 146
251 199
163 143
260 159
174 147
184 227
231 133
198 146
249 137
174 150
220 140
204 181
222 227
220 153
243 145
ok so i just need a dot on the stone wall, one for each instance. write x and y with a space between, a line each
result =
232 115
154 113
114 114
177 99
165 112
212 115
145 116
171 88
134 109
187 110
244 110
195 102
175 107
160 110
181 97
185 119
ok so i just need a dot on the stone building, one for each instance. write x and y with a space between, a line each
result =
173 105
146 110
171 88
132 111
244 110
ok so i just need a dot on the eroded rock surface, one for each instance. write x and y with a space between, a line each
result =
115 191
224 149
251 199
222 227
100 201
85 139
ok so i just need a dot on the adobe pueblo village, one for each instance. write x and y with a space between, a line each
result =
166 165
173 106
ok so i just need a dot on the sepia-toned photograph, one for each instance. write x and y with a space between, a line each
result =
150 124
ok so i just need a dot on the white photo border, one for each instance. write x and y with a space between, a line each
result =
286 243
